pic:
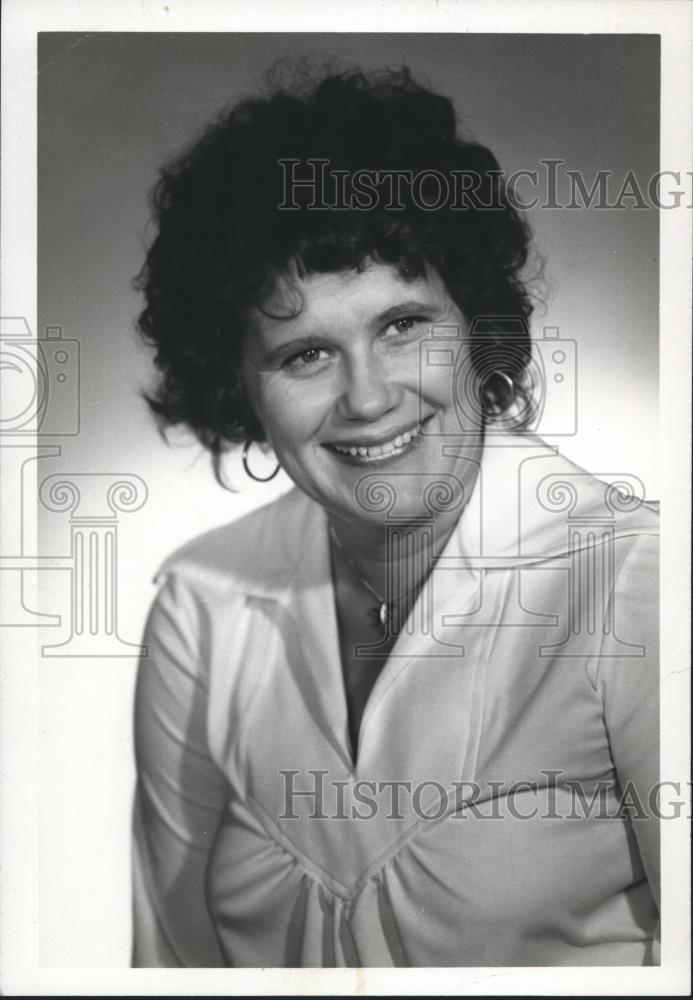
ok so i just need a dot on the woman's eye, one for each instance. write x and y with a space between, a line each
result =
305 359
406 324
311 354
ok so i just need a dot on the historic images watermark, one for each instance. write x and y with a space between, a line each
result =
306 794
542 373
41 404
313 183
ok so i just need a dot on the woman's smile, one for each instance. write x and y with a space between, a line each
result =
379 448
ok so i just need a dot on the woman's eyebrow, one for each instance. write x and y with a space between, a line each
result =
409 306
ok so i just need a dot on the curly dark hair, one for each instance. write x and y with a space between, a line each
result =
222 233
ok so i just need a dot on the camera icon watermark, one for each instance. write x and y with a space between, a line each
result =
41 392
497 367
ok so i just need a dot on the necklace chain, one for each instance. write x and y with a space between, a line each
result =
382 612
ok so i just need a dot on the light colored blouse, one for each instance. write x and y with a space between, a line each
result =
500 810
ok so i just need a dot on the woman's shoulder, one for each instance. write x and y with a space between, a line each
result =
256 551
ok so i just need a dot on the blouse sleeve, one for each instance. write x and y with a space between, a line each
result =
629 686
180 791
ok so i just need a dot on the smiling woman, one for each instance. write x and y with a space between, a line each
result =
372 712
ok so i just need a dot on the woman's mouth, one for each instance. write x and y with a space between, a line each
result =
360 453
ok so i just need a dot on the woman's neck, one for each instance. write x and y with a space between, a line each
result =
381 553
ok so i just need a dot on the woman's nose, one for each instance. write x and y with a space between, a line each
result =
367 392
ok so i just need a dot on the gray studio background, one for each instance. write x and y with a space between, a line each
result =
112 107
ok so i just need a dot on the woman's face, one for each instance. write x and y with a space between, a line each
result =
345 389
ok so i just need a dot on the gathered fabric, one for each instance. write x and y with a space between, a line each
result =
499 810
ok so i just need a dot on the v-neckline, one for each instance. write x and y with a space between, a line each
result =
333 639
333 692
393 744
354 685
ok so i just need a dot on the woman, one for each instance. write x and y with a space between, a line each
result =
391 718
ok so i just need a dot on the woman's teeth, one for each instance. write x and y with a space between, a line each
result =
376 450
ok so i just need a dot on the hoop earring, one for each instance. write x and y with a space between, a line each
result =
249 472
490 400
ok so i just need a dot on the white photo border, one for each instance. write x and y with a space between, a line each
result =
673 21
